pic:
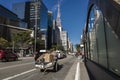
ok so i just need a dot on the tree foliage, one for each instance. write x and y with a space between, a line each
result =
40 44
77 47
22 38
3 43
58 47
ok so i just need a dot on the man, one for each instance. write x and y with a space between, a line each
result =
36 56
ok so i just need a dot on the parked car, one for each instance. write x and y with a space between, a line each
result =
7 56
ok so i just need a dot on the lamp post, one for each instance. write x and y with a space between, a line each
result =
35 30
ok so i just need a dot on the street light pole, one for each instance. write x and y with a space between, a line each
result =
35 4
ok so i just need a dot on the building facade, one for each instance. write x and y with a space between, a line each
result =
63 40
33 13
56 34
58 20
7 17
70 46
19 9
50 30
64 37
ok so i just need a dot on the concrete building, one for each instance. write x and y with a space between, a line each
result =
70 45
7 31
56 34
58 20
64 39
58 23
63 34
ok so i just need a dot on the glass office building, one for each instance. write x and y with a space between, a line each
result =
35 14
19 9
27 11
40 12
8 17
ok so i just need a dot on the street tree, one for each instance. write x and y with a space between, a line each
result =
3 43
58 47
77 47
22 38
40 44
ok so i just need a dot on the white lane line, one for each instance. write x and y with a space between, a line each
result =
11 77
77 75
16 65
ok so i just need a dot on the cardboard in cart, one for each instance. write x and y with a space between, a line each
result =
48 57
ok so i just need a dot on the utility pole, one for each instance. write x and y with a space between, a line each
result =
35 26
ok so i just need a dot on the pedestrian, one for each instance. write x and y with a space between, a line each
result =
36 56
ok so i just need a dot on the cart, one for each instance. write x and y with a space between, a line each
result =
44 65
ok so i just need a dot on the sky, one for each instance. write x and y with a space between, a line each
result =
73 15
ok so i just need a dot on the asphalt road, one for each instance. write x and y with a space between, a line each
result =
24 69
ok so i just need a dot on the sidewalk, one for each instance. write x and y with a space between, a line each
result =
77 74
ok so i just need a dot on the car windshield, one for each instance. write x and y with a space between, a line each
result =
59 39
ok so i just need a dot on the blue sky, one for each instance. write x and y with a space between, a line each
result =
73 15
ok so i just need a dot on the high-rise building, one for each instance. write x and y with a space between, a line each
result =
7 17
70 46
35 13
19 9
64 39
56 34
59 25
63 34
49 30
30 10
50 18
41 13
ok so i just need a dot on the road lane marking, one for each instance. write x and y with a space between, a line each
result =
77 75
11 77
16 65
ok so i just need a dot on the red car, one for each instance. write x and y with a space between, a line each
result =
7 56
